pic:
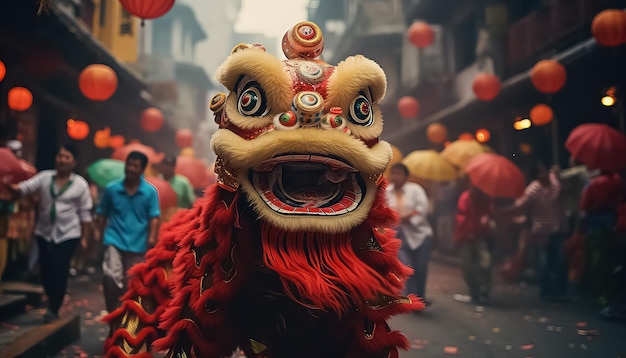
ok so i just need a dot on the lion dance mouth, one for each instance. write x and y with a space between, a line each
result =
308 184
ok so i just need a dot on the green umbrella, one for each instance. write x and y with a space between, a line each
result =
104 171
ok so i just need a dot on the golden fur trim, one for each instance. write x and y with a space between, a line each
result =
324 224
268 71
244 154
355 74
351 76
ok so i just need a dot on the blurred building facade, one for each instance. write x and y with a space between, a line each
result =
167 61
46 53
505 37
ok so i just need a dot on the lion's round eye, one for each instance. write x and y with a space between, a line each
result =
252 101
361 111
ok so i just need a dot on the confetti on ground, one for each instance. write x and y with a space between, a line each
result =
417 346
543 319
9 326
488 342
528 318
581 324
527 347
480 309
472 338
551 328
588 332
572 345
496 330
451 350
583 347
508 347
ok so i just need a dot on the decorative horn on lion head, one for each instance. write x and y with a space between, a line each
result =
300 136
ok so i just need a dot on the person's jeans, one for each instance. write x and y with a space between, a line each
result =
418 260
553 267
54 263
476 262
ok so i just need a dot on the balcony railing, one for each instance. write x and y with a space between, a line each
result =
546 27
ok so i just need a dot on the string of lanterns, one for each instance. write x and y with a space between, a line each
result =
99 82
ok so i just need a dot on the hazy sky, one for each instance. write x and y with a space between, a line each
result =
270 17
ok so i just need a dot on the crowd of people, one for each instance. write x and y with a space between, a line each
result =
574 230
573 233
75 225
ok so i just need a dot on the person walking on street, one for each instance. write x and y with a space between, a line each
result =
548 230
411 202
472 235
63 222
128 221
180 183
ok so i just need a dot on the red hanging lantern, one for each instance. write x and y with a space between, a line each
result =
101 138
548 76
147 9
117 141
3 71
541 115
609 27
184 138
486 86
466 136
437 133
151 119
408 107
20 99
77 130
421 34
98 82
483 135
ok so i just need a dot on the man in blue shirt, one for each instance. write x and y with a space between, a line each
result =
128 222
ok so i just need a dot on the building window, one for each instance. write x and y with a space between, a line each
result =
86 11
103 13
465 36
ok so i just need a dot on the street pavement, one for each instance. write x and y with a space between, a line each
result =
514 324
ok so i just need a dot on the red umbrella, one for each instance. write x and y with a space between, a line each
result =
496 176
10 166
167 196
195 170
598 146
122 152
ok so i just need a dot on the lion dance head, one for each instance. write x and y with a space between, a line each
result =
292 246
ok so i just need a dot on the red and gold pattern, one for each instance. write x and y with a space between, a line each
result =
290 251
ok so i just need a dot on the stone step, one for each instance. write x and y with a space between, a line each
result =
11 305
32 292
27 336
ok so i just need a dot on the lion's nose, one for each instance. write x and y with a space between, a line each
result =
308 107
307 111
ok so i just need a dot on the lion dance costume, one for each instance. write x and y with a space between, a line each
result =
290 253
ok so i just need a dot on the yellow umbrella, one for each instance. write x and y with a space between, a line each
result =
429 165
396 157
461 152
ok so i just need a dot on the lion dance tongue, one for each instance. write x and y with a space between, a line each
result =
290 253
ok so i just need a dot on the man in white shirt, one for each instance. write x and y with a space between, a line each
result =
63 221
411 202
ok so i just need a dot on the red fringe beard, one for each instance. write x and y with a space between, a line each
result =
320 271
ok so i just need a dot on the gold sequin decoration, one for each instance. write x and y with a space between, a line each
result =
257 347
371 245
384 301
225 176
228 266
369 329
